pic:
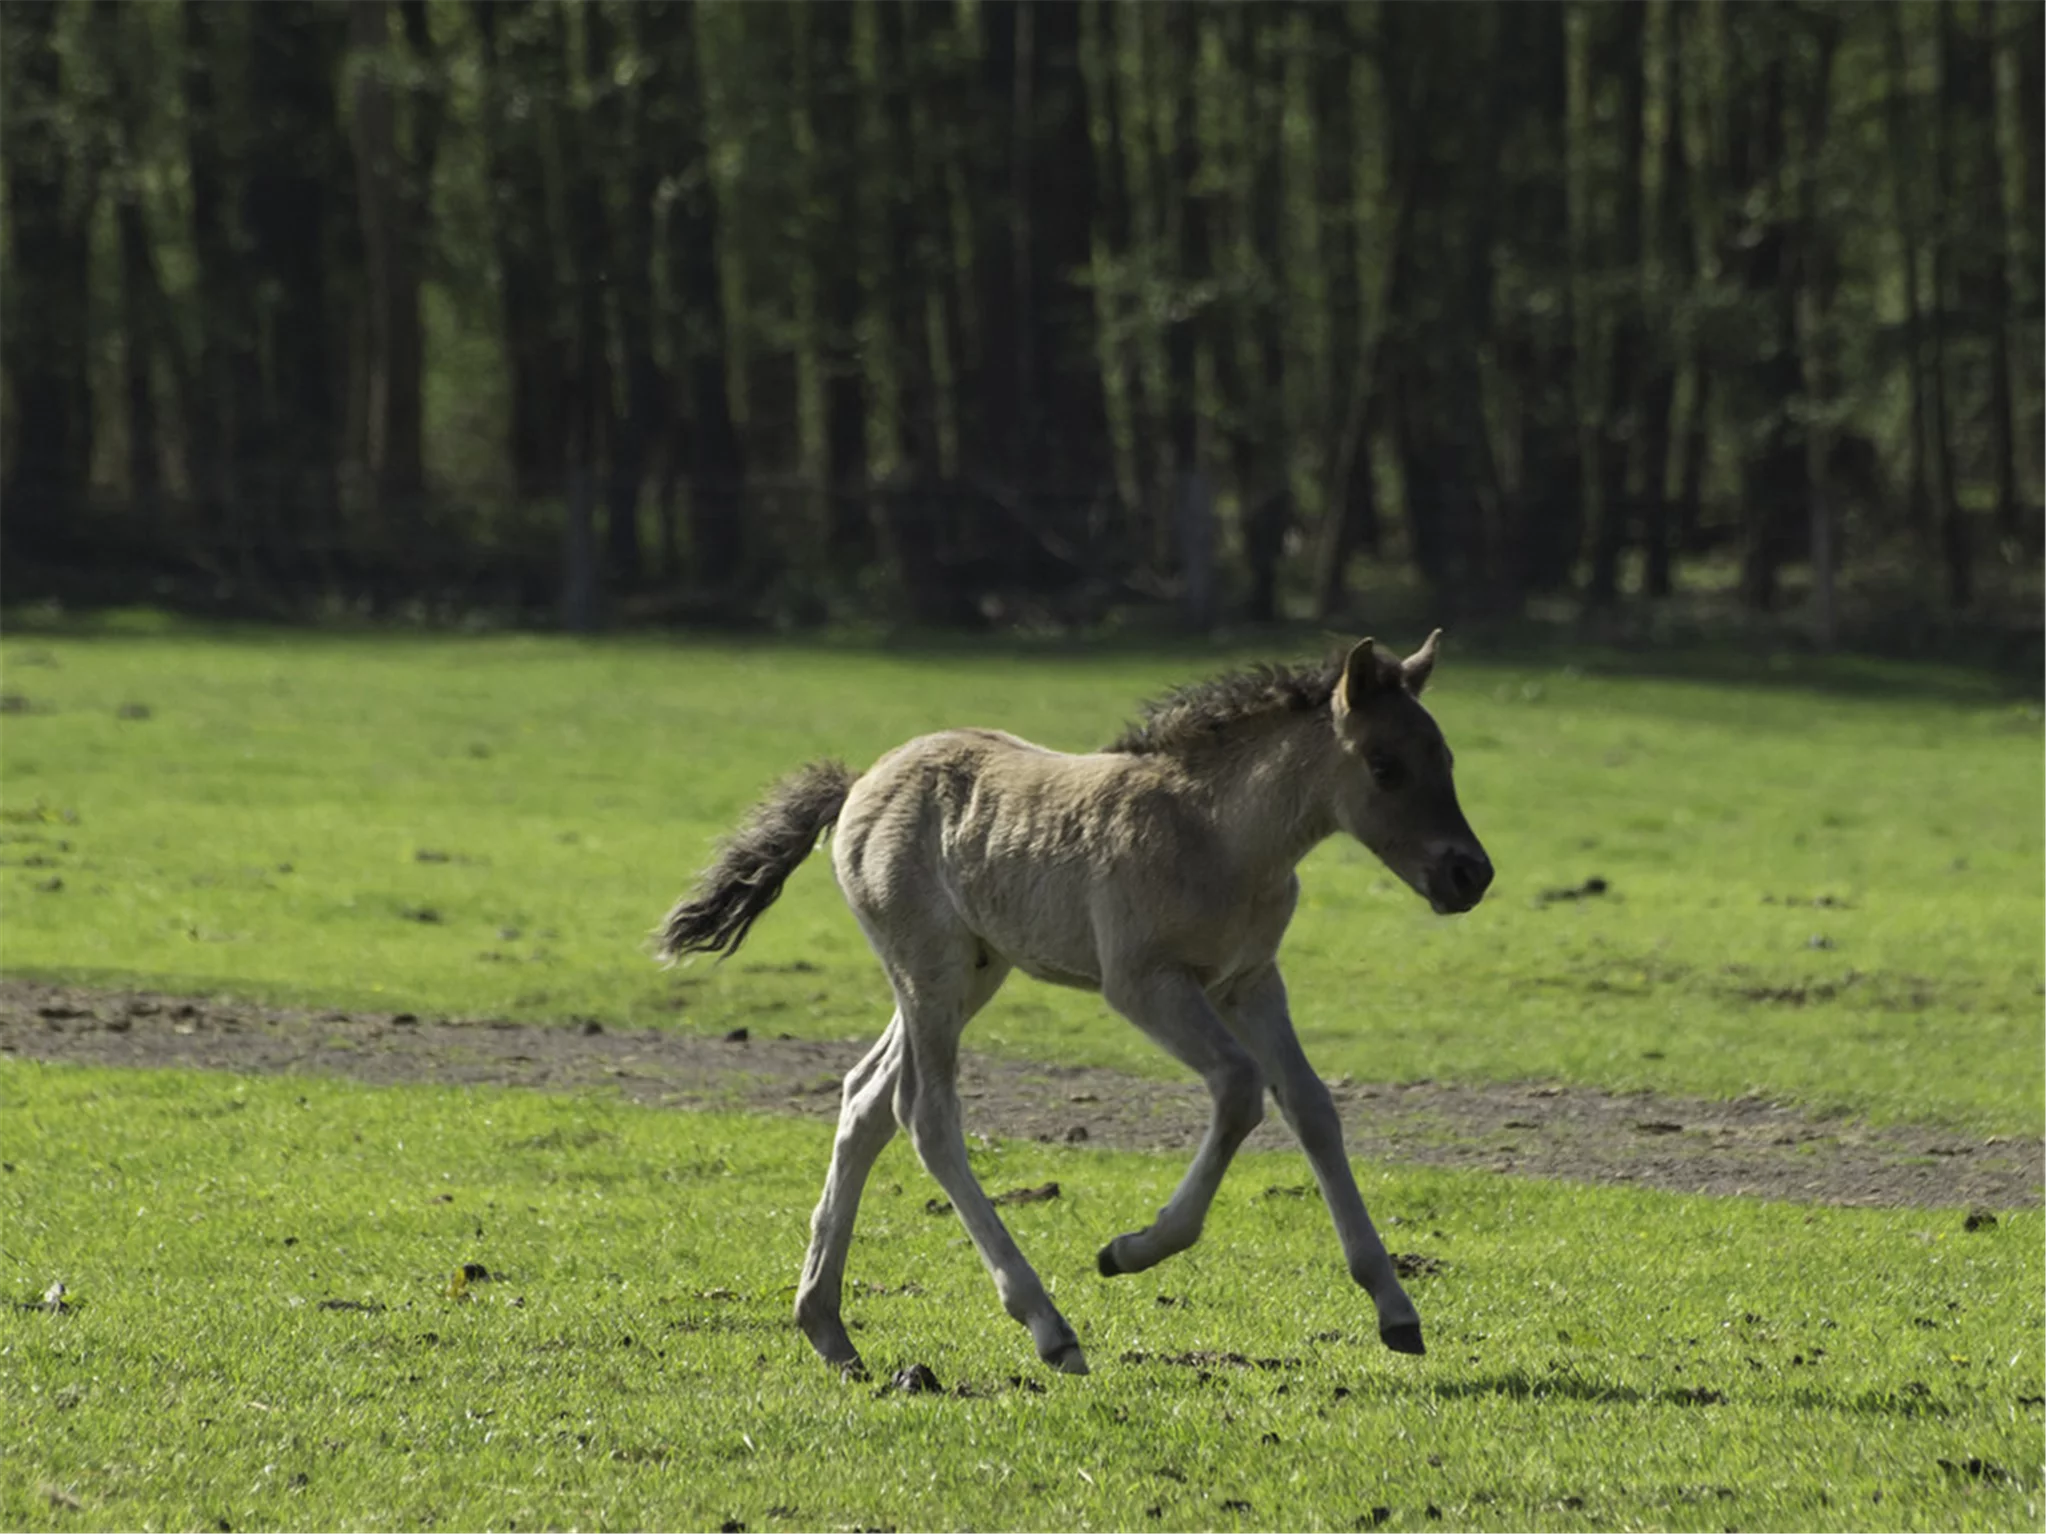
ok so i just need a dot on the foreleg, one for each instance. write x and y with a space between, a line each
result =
1263 1022
1170 1007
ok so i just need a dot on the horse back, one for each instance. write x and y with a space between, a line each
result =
1044 857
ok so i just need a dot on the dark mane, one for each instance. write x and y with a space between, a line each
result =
1206 712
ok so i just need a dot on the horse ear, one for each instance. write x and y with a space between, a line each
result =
1418 667
1363 674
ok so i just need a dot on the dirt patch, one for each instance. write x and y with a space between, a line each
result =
1684 1145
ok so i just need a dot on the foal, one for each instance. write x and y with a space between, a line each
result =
1159 872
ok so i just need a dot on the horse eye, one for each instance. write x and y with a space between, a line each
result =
1386 771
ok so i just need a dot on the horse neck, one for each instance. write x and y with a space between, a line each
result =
1273 799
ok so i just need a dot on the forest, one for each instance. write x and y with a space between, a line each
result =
996 312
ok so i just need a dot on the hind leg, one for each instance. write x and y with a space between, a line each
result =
942 976
927 1103
866 1123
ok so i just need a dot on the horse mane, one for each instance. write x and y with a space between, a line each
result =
1207 713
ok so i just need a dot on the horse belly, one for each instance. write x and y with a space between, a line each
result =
1050 975
1047 937
1036 917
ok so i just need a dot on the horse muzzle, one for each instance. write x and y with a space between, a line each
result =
1458 880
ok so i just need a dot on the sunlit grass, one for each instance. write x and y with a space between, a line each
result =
1832 896
1598 1357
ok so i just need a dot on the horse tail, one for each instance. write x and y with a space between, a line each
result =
754 862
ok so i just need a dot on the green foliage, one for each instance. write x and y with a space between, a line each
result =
1824 888
262 1333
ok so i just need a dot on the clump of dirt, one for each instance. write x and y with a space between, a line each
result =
1202 1358
1744 1146
1590 889
1039 1195
1415 1264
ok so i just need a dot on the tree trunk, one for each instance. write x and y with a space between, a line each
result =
590 145
1193 262
1667 270
292 169
761 230
1819 279
1956 551
376 175
403 485
1977 97
1349 494
141 294
579 583
1773 476
2027 43
1067 405
936 35
641 152
838 186
1264 482
1443 125
226 329
1002 246
47 339
1615 416
916 211
717 489
1903 167
1543 529
1117 27
139 304
520 92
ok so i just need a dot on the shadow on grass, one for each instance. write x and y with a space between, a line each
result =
1991 666
1511 1385
1909 1401
1999 666
1520 1385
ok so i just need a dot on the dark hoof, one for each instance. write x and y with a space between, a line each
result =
1069 1359
1404 1338
1105 1261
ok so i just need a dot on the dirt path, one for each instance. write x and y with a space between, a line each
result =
1685 1145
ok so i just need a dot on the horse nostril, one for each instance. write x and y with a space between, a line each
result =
1469 876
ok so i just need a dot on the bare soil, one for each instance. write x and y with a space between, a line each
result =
1746 1146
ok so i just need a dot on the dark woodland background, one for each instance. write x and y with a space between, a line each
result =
1026 311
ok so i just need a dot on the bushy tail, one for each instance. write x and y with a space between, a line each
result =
755 861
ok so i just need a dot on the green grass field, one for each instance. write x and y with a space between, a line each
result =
1832 897
1599 1357
1824 887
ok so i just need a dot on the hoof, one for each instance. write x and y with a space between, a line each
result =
837 1350
1105 1261
1404 1338
1069 1359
